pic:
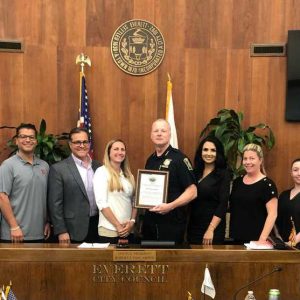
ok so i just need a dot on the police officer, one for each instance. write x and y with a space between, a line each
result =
167 221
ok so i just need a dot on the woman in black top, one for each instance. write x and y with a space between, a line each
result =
289 206
253 200
208 210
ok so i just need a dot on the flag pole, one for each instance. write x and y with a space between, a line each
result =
83 60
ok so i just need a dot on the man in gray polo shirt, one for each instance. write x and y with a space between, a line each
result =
23 191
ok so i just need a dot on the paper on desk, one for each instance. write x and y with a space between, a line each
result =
94 245
255 246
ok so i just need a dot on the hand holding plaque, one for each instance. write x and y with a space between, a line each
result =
152 187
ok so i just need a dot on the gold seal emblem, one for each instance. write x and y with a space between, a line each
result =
137 47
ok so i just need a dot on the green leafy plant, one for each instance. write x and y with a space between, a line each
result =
51 148
227 126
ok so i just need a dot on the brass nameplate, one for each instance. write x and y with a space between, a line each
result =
134 255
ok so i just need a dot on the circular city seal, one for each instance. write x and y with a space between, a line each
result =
137 47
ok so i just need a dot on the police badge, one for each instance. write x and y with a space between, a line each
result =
137 47
166 163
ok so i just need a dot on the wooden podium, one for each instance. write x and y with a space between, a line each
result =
52 271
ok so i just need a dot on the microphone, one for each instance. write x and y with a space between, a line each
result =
275 269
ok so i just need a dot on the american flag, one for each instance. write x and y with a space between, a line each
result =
84 119
9 294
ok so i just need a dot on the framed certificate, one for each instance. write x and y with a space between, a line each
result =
152 188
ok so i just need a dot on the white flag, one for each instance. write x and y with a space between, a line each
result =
207 285
3 295
170 115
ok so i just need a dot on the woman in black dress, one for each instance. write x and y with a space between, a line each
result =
289 206
207 212
253 200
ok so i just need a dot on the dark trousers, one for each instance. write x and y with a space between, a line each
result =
92 235
164 232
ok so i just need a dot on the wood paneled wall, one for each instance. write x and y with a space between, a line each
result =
207 55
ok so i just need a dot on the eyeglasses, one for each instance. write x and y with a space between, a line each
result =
24 137
79 143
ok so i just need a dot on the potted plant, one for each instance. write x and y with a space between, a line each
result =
227 126
51 148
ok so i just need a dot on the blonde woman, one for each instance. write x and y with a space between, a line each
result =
114 190
253 200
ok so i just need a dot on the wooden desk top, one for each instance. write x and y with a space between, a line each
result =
227 253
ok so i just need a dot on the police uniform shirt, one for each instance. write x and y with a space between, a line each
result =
180 175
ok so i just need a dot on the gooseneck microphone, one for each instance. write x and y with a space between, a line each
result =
276 269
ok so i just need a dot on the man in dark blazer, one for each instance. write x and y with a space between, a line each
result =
72 207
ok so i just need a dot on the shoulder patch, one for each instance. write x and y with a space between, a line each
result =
188 164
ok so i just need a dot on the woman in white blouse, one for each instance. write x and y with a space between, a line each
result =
114 190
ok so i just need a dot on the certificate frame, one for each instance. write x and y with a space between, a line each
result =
154 182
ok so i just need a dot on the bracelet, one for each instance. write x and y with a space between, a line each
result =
212 225
15 228
132 220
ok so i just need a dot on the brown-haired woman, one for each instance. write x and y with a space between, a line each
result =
289 207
